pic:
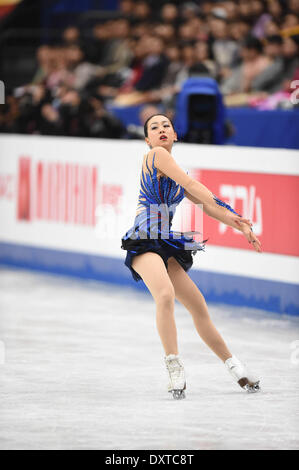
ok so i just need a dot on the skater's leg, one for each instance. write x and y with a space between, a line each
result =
190 296
151 268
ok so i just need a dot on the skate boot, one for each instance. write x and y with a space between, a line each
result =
177 381
241 374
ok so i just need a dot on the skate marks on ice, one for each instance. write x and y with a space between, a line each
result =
84 369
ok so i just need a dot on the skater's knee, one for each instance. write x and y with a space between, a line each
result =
166 296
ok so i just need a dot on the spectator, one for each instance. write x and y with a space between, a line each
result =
146 54
31 100
273 47
140 29
225 50
259 27
45 63
271 79
154 64
117 58
188 10
134 73
74 55
231 9
59 66
98 122
293 6
71 35
118 54
9 114
257 8
175 65
187 34
290 56
137 132
96 46
271 28
136 67
188 60
126 7
290 21
246 11
207 6
142 11
239 30
166 94
199 28
201 52
170 14
165 32
254 62
65 119
275 10
80 72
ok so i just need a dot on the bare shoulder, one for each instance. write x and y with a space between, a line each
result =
160 152
161 156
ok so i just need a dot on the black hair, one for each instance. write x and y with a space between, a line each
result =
274 39
295 38
157 114
251 42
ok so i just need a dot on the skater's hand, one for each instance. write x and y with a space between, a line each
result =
252 238
238 222
244 225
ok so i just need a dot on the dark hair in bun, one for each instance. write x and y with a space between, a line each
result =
146 122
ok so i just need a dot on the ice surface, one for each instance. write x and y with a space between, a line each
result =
84 369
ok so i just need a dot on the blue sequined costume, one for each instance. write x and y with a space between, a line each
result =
158 199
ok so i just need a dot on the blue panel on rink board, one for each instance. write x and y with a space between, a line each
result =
268 295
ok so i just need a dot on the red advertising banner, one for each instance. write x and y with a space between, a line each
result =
56 191
268 200
24 189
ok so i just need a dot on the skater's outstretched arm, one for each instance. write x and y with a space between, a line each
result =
166 163
211 212
245 229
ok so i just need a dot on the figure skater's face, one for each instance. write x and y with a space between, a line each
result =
160 132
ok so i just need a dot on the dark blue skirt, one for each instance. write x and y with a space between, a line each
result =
159 246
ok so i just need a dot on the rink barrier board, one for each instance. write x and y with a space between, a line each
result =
272 296
50 187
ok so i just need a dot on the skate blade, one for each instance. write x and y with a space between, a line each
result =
178 394
249 386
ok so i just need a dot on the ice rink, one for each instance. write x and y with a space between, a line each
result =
83 369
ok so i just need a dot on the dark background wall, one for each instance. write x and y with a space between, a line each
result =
33 23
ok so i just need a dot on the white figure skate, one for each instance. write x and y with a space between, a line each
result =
241 374
177 381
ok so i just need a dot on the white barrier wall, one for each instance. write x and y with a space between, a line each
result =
65 204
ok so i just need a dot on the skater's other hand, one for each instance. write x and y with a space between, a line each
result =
252 238
239 222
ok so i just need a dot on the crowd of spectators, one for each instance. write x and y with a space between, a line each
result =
144 56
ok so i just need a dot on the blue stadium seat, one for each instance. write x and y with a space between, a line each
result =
200 112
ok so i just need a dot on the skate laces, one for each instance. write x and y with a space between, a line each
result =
174 367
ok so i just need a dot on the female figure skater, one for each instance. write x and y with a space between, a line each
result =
162 257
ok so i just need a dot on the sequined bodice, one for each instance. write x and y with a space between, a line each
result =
158 198
157 189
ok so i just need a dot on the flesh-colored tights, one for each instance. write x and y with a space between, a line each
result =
165 286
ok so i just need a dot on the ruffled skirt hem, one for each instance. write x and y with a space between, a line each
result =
166 249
